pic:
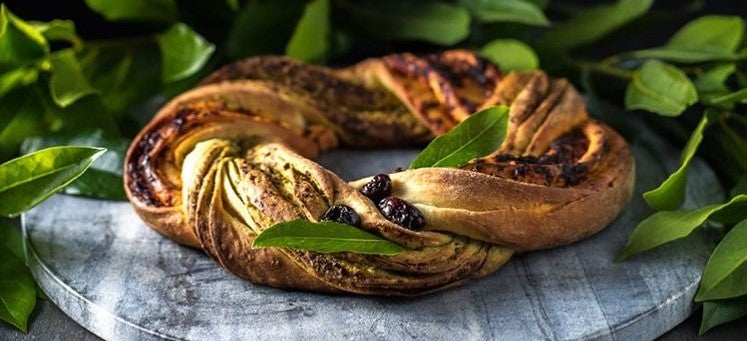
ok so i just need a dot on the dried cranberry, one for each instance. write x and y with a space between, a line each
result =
378 188
402 213
342 214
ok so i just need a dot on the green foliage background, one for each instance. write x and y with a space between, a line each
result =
677 66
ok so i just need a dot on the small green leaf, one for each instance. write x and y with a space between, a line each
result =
478 135
135 10
437 22
324 237
17 286
510 55
104 178
666 226
519 11
57 30
594 23
263 27
660 88
711 37
713 80
16 78
11 239
719 312
728 100
28 180
20 43
725 275
67 84
671 192
184 52
310 41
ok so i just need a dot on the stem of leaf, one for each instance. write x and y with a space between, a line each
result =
606 69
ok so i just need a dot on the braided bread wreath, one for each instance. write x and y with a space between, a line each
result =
220 163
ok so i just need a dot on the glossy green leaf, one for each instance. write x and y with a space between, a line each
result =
263 27
16 78
20 43
478 135
17 286
104 178
711 37
671 192
184 52
28 180
510 55
11 238
324 237
720 312
520 11
135 10
660 88
667 226
57 30
592 24
433 21
713 80
310 40
67 84
725 275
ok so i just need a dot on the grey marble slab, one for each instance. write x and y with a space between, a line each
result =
108 271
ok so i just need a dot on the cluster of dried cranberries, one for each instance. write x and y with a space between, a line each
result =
379 190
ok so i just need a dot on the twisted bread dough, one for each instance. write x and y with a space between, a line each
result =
220 163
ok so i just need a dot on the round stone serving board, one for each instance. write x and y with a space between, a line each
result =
121 280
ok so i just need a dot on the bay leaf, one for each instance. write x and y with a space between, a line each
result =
67 84
671 192
17 286
720 312
478 135
310 41
519 11
135 10
27 180
436 22
593 23
104 178
725 274
660 88
510 55
713 80
710 37
183 51
324 237
20 43
667 226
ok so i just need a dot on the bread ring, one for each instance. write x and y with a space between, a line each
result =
220 163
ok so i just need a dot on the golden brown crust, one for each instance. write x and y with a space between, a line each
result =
230 158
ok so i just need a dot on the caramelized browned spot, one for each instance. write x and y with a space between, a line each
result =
558 167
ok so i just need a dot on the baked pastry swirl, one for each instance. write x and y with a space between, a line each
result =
230 158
